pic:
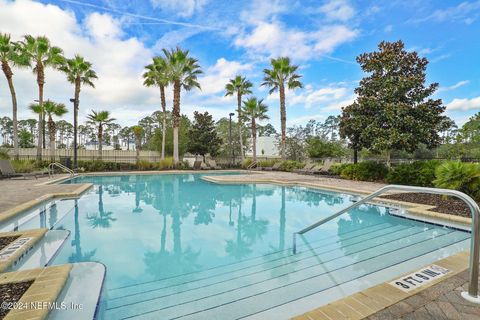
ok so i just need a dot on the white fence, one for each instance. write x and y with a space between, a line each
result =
122 156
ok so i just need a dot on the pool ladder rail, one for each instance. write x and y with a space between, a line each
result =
51 169
472 294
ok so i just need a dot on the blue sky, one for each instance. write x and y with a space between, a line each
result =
322 37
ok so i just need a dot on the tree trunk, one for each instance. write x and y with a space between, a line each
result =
100 137
283 120
164 119
40 82
9 75
51 137
254 139
176 121
76 105
355 155
388 160
138 146
240 125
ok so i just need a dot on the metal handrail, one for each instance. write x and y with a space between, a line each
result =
52 165
472 294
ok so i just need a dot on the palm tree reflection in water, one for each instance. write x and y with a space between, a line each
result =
77 255
102 219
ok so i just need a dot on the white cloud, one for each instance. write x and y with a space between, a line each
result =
261 10
388 28
466 12
219 74
464 104
274 39
453 87
182 8
337 10
99 38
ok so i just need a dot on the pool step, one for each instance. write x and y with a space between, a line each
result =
249 265
265 289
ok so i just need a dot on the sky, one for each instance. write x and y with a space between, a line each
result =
240 37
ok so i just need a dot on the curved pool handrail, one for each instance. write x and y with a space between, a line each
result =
472 294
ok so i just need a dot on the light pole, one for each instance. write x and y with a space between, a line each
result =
75 134
230 137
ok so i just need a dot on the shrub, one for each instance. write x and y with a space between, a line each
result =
166 163
24 166
290 165
464 177
266 163
4 154
147 165
418 173
365 171
336 168
246 163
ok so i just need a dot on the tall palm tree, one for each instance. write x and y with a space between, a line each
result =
137 132
79 72
241 86
99 119
281 75
157 75
41 54
50 109
11 54
254 110
183 71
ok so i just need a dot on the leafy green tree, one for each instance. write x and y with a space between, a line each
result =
25 139
51 109
156 140
252 111
203 137
394 109
239 86
11 54
266 130
321 148
282 75
79 72
222 127
99 119
157 75
41 54
183 71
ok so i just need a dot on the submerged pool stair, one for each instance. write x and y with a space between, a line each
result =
256 285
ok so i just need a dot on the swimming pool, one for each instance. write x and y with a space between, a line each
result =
176 246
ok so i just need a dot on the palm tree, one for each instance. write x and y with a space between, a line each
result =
51 109
282 75
11 53
254 110
41 54
241 86
137 132
183 71
99 119
157 75
78 72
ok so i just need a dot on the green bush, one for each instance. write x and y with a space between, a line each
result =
290 165
418 173
464 177
246 163
24 166
336 168
4 154
94 166
365 171
166 163
266 163
144 165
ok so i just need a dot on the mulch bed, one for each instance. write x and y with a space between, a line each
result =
442 204
11 293
5 241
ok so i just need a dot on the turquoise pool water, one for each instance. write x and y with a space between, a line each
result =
176 246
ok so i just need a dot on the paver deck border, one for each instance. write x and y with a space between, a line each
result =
47 284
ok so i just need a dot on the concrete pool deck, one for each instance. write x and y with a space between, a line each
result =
18 195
